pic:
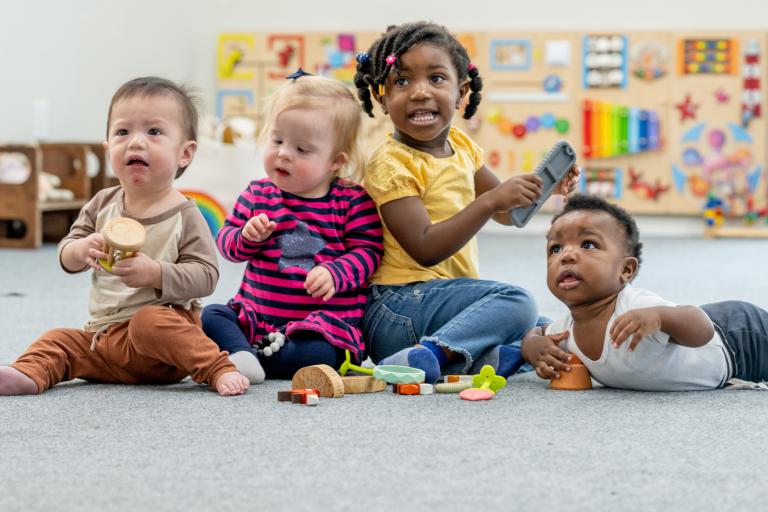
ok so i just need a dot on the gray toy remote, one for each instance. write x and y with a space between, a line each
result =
551 170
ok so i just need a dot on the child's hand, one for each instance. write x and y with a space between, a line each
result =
569 182
637 323
258 228
91 251
515 192
319 283
545 355
139 271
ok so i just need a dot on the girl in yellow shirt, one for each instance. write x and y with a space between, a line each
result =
427 307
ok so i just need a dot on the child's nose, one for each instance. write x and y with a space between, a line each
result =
567 254
137 140
420 90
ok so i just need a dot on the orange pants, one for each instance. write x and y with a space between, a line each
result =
158 345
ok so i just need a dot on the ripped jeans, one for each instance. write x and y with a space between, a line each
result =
464 315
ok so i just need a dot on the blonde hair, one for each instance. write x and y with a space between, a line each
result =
318 92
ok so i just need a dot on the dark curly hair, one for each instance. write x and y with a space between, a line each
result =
372 68
155 86
586 202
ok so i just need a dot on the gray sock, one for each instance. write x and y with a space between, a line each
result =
248 364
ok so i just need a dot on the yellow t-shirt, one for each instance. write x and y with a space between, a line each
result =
445 186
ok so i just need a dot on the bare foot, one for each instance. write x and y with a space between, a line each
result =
232 383
13 382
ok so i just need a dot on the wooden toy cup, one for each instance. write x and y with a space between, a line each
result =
123 238
577 379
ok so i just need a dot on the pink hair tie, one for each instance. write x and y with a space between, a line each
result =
471 66
391 58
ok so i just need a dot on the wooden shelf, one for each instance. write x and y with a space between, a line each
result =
736 232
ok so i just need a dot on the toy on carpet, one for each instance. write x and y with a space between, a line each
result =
577 379
355 384
391 373
551 170
123 238
299 396
484 385
452 387
321 377
413 389
458 378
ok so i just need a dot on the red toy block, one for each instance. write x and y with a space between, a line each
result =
406 389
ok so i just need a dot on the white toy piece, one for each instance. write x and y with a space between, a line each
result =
274 342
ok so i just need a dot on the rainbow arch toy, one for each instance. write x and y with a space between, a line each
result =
213 213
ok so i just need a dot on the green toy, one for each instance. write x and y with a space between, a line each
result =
392 374
484 385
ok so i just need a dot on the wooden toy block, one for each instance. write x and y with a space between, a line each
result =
321 377
406 389
577 379
458 378
312 400
123 238
426 389
354 384
300 396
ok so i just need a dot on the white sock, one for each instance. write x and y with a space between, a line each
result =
248 364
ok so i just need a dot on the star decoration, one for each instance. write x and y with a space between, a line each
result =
298 248
721 96
687 108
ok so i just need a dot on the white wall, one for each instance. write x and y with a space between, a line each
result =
73 54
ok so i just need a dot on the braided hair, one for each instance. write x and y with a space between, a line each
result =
372 67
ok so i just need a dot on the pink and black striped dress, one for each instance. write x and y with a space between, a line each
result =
340 231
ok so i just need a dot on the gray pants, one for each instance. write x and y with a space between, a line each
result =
744 329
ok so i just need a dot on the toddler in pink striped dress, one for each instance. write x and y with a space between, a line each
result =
309 235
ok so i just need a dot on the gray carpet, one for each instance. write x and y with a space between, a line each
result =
101 447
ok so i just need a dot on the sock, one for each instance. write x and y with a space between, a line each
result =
419 357
436 349
248 364
505 359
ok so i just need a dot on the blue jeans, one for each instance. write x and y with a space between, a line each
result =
744 330
467 316
303 348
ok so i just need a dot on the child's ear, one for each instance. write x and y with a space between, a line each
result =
463 90
339 161
628 269
381 99
187 153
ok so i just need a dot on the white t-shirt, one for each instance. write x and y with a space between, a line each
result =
655 364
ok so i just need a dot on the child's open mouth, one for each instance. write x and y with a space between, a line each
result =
422 117
568 280
137 162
